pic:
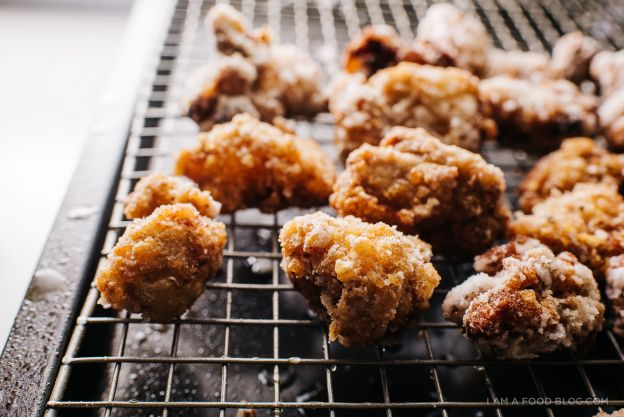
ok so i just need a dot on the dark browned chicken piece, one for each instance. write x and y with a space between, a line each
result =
157 189
572 55
368 281
451 197
161 263
578 160
248 163
531 303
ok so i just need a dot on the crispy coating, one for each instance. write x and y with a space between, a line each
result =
375 48
368 281
618 413
578 160
571 56
450 196
491 261
614 278
442 100
459 37
537 115
607 70
533 303
161 263
611 115
587 221
248 163
253 75
157 189
517 64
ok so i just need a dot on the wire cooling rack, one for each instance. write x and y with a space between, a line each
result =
249 341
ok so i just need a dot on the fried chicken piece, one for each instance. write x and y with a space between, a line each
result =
578 160
614 278
461 39
247 163
533 303
157 189
442 100
607 70
491 261
517 64
618 413
253 75
537 115
587 221
161 263
450 196
572 55
611 115
368 281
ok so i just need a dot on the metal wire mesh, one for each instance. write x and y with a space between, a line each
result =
249 342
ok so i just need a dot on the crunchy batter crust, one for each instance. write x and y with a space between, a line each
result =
368 281
157 189
611 114
587 221
537 115
450 196
535 303
614 278
253 75
618 413
517 64
162 262
578 160
247 163
442 100
607 70
572 55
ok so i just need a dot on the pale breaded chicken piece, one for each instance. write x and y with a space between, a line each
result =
607 70
248 163
587 221
442 100
578 160
572 55
459 37
449 196
157 190
368 281
375 48
618 413
537 115
517 64
253 75
611 115
532 302
614 278
161 263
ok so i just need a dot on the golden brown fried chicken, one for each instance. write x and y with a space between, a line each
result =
607 70
442 100
253 76
578 160
247 163
587 221
614 278
157 189
532 302
517 64
618 413
611 115
368 281
450 196
459 37
161 263
537 115
571 56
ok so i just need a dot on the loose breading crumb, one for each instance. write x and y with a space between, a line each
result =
587 221
450 196
537 115
571 56
442 100
535 303
161 263
614 278
368 281
157 189
578 160
248 163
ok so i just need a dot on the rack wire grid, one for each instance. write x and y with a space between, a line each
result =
249 341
